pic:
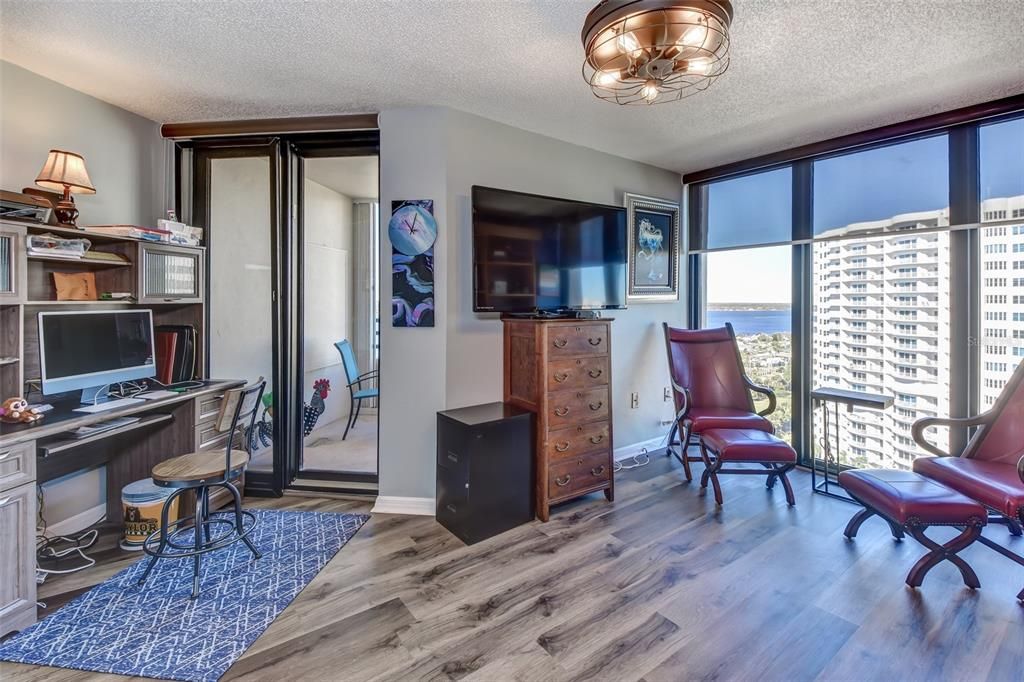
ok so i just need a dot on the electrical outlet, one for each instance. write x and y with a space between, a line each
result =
666 395
634 400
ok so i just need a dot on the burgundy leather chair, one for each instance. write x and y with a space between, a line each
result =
710 387
988 470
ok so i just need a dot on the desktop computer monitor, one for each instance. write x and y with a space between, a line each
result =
89 350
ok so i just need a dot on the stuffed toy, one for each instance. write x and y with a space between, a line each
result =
17 411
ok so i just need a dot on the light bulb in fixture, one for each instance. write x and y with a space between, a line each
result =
628 43
693 37
701 66
606 78
650 91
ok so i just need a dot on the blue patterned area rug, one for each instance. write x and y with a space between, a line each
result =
157 631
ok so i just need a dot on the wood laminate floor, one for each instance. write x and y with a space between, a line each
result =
659 585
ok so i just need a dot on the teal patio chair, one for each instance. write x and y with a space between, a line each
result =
356 392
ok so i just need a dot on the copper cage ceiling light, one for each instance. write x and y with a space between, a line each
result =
651 51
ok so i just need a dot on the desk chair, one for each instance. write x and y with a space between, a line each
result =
357 394
200 471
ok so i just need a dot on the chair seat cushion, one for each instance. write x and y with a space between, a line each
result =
995 484
903 496
366 393
748 445
702 419
197 466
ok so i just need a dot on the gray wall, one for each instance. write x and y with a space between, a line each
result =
458 363
124 153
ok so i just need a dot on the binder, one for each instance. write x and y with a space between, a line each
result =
176 344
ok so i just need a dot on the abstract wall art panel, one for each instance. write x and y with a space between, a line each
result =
412 231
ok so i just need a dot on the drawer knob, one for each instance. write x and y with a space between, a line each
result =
595 373
561 343
453 457
596 406
561 411
597 439
8 499
561 376
4 455
562 447
450 507
561 483
597 471
594 342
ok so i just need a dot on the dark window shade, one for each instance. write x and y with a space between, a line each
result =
751 210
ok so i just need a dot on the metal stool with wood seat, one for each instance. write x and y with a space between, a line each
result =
199 472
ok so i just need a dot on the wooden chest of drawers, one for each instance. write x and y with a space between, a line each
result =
561 370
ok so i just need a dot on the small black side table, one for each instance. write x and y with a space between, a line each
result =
485 470
829 471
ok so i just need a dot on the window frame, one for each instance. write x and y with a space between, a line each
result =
962 128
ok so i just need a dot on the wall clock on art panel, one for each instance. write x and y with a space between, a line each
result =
412 231
412 228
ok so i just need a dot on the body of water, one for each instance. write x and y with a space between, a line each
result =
752 321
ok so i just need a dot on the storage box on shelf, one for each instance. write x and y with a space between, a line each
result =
561 369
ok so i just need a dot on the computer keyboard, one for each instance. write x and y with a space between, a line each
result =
93 429
109 405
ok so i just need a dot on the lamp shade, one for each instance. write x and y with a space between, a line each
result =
65 169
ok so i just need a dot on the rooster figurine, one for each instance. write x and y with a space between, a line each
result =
315 408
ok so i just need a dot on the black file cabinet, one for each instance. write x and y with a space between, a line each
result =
484 470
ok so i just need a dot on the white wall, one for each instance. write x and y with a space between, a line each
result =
459 362
329 293
124 153
125 157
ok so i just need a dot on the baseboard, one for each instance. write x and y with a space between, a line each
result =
627 451
78 522
410 506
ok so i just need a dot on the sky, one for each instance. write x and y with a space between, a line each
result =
870 185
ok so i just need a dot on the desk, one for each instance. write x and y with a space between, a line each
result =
32 454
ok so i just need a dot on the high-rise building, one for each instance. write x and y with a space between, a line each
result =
1002 294
881 325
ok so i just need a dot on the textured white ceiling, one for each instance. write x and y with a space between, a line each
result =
801 71
353 176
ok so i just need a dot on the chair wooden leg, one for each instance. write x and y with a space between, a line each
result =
684 457
855 523
947 552
711 473
780 473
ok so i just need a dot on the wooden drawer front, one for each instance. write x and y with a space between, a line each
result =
209 438
569 408
577 373
578 440
207 408
571 341
17 465
568 477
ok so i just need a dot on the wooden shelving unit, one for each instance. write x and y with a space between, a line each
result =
141 271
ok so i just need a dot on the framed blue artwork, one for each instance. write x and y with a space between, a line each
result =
412 231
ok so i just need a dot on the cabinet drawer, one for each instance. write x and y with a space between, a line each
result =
207 408
577 373
17 465
570 341
578 440
568 477
570 408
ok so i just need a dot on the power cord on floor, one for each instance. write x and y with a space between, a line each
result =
58 547
640 459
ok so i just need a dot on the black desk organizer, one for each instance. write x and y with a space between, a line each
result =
485 470
825 472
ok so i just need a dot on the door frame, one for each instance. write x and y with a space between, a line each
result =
318 146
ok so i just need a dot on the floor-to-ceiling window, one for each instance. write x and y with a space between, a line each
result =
904 253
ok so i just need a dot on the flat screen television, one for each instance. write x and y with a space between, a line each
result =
536 254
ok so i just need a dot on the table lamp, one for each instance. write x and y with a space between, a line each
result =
65 172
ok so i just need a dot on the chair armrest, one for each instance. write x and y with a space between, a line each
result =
767 392
917 430
680 390
365 376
